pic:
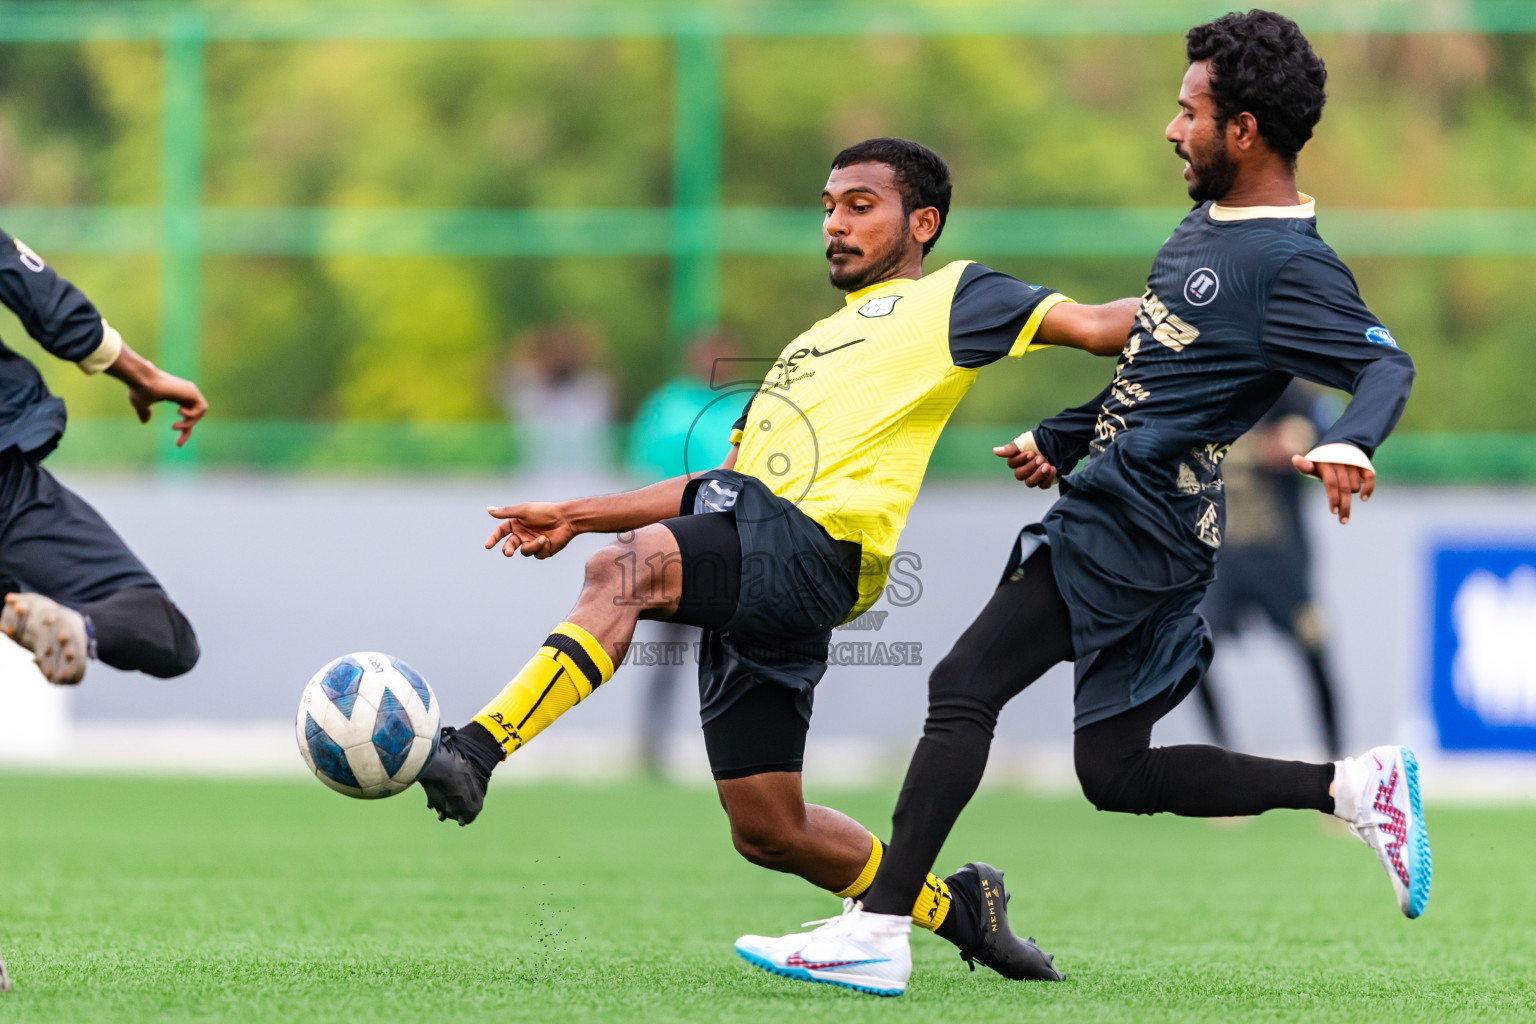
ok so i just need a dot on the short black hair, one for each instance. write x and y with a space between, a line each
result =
1262 64
920 174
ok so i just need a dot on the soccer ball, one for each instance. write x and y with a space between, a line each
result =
367 725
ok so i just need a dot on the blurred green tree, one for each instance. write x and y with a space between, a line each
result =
1413 123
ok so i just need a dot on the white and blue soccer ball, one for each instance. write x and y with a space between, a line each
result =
367 725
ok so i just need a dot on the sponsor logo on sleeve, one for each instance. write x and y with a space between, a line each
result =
879 307
1380 336
1201 288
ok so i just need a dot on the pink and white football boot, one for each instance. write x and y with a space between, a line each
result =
858 950
1377 793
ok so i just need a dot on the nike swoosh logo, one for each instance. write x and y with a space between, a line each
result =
1379 766
847 344
795 960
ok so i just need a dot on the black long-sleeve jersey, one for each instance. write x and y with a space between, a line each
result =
65 323
1239 301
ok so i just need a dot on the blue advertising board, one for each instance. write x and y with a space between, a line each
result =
1483 684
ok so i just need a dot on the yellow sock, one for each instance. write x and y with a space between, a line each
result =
569 666
866 877
932 904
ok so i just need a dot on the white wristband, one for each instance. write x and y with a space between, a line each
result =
1026 442
106 353
1339 454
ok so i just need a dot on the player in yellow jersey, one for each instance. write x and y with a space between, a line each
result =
792 536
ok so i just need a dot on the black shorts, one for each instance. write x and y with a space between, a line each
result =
763 731
1136 634
52 542
767 585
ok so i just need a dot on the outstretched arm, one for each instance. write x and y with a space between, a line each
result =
994 315
1038 456
1101 330
1316 327
63 321
542 528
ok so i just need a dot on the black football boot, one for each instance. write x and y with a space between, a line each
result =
458 774
982 933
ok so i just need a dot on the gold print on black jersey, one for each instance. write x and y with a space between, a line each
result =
1124 395
1104 431
1186 482
1208 526
1163 325
1127 392
1208 459
1210 456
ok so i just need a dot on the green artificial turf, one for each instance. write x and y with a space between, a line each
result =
130 899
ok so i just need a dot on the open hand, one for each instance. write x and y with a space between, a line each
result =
1028 466
537 528
159 386
1340 481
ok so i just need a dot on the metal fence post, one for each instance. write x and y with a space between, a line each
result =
694 300
183 86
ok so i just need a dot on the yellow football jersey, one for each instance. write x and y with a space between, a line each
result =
845 422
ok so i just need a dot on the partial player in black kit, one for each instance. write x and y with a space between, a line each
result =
1243 297
73 589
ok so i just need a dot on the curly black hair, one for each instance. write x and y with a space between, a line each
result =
920 174
1262 64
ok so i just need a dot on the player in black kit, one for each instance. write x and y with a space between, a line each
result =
1243 297
73 590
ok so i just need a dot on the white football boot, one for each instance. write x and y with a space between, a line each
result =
858 950
5 979
56 635
1377 794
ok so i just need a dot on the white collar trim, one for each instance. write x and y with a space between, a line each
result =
1305 210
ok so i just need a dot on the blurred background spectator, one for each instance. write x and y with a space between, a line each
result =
684 426
560 399
1265 569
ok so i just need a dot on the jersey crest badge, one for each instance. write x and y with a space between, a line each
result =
879 307
1380 336
1202 286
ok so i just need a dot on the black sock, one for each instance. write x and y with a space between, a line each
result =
477 744
1120 771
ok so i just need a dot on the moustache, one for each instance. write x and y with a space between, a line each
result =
849 250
